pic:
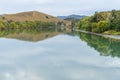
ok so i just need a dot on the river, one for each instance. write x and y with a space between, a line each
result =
58 56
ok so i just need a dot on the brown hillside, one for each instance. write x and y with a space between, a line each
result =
30 16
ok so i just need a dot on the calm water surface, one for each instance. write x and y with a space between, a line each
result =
56 56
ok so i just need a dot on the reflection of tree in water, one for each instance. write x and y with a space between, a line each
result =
106 46
29 34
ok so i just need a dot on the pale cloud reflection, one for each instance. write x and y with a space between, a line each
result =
62 57
21 75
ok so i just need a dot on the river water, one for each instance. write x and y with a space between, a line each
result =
59 56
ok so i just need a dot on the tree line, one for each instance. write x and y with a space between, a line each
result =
101 22
27 25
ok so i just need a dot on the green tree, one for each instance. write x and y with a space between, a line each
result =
85 24
2 26
116 24
13 25
103 26
95 28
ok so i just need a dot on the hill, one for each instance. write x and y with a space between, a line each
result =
30 16
71 17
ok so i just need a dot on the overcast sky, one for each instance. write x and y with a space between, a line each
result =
59 7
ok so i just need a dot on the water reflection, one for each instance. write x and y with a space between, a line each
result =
62 57
106 46
29 34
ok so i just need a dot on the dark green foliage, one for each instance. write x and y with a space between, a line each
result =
101 22
116 24
47 17
85 24
101 26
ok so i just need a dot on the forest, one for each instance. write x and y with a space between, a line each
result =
107 22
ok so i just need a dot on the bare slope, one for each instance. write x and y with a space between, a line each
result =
30 16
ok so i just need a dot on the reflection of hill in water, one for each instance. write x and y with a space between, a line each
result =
28 35
106 46
32 37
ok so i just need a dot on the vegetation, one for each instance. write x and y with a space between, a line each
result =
26 25
32 20
102 22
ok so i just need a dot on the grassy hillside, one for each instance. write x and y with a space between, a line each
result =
32 19
30 16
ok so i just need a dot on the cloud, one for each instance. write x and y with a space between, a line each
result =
33 1
24 2
59 7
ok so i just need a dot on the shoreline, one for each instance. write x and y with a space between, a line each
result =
103 35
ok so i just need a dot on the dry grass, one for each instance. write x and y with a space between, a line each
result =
31 16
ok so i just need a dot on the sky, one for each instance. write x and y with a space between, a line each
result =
58 7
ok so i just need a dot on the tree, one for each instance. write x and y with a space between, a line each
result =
94 18
2 26
85 24
116 24
95 28
13 25
103 26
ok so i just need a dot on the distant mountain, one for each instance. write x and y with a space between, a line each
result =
71 17
30 16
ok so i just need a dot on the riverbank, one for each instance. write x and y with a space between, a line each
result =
98 34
